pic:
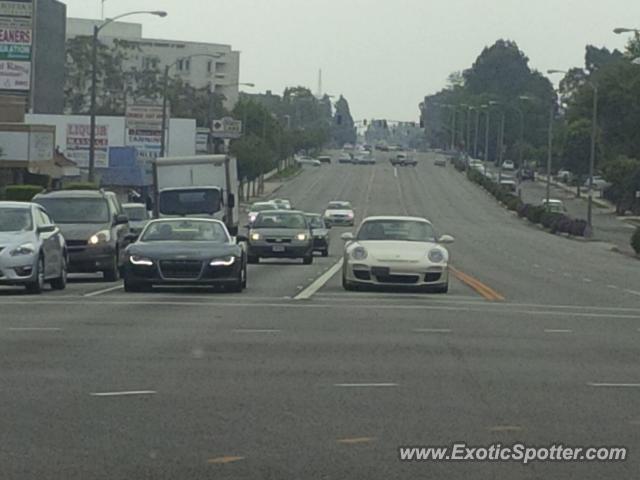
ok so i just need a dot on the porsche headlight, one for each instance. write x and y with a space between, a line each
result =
359 253
436 255
24 249
223 262
301 237
102 236
255 236
138 260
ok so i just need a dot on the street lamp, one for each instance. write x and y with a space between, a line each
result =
621 30
594 132
500 139
94 80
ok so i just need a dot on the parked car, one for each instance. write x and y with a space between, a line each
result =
308 161
185 251
324 159
32 248
554 205
320 232
280 234
440 161
564 176
509 185
339 213
95 227
345 158
526 173
508 165
599 183
138 215
396 251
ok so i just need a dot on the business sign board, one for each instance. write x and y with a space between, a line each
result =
143 123
25 145
16 44
78 141
15 75
202 140
16 8
226 128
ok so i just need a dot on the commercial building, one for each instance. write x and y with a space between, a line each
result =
221 73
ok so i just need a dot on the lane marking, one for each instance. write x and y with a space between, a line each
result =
632 292
355 440
551 330
613 287
106 290
33 329
505 428
123 394
484 290
224 460
250 330
614 385
365 385
432 330
320 282
587 280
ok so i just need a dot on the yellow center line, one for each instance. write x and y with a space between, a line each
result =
484 290
355 440
224 460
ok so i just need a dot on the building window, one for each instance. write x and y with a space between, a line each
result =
210 67
184 65
150 63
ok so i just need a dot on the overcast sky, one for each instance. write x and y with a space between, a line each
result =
383 55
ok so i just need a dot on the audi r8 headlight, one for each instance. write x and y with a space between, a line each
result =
359 253
102 236
436 255
138 260
24 249
301 237
223 262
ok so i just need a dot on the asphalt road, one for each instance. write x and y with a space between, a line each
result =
297 379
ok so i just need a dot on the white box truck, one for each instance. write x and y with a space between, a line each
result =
198 186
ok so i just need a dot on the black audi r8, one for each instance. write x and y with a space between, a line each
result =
185 251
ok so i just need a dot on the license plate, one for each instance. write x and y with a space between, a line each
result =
278 248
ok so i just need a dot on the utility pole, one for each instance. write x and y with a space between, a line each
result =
475 136
550 151
486 139
592 156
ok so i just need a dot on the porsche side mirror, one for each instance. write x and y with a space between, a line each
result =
347 237
446 239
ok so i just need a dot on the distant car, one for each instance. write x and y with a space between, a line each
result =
599 183
554 205
185 251
509 185
339 213
138 215
320 233
368 148
440 161
32 248
258 207
396 251
281 203
308 161
95 227
280 234
525 174
508 165
403 160
564 176
382 148
324 159
345 158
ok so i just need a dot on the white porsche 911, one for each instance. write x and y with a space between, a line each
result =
396 251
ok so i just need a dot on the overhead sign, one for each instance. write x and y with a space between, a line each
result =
78 141
226 127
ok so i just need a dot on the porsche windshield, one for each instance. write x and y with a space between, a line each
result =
397 230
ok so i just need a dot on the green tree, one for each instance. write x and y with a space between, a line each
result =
624 175
343 125
577 149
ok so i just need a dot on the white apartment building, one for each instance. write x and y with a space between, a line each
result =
221 73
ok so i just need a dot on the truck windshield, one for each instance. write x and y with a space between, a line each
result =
203 201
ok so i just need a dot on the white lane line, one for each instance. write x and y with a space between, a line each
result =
106 290
613 287
365 385
395 172
255 330
557 330
34 329
535 265
308 292
123 394
432 330
614 385
632 292
587 280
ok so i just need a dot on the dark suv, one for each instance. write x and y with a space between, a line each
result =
95 227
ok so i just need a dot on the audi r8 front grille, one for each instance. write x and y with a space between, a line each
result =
181 269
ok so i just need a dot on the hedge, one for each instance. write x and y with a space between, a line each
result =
21 193
635 241
555 222
81 186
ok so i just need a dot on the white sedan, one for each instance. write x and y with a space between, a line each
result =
396 251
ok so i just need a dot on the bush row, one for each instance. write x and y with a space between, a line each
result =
555 222
21 193
635 241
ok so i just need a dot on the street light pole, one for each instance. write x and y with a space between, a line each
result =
592 155
94 81
550 151
475 136
486 138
